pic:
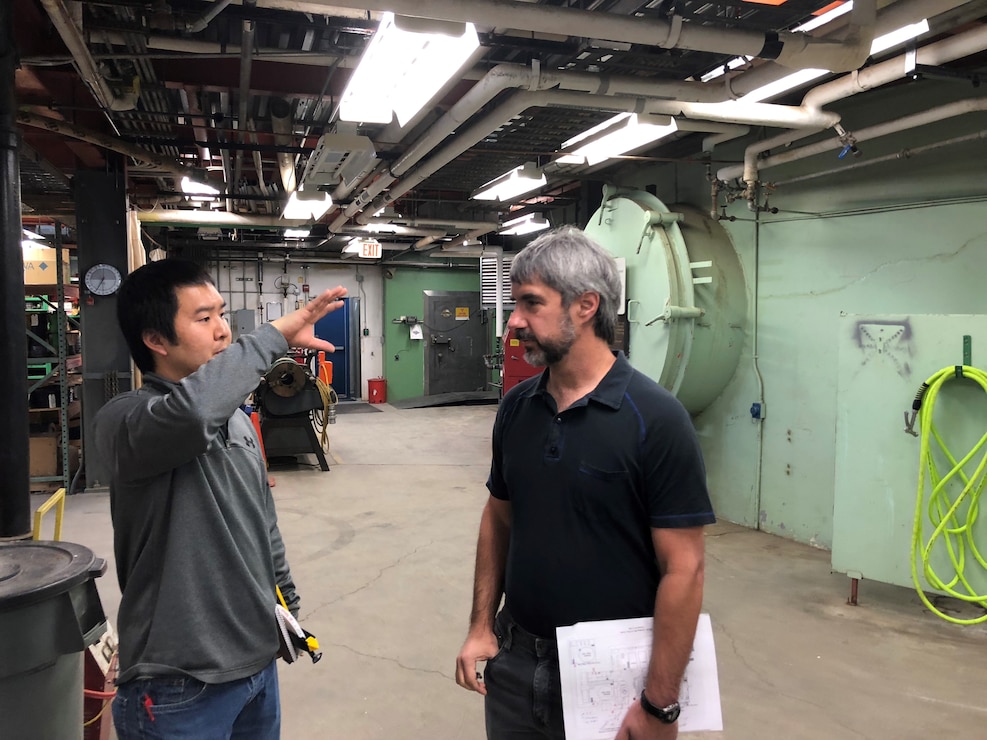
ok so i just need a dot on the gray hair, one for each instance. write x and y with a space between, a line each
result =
568 261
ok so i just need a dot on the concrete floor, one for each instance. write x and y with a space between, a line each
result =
382 551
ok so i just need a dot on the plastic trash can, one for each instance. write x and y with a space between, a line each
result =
49 613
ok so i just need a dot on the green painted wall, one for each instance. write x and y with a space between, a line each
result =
404 358
905 237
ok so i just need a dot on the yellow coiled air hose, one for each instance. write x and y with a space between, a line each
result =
953 518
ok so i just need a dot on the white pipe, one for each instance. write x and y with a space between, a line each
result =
890 18
893 157
150 159
940 52
933 115
956 47
220 218
281 126
72 37
432 222
759 113
802 52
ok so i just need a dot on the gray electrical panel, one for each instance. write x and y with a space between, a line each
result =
243 321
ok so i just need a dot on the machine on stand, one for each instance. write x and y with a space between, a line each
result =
292 402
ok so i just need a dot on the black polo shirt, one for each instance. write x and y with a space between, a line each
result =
586 486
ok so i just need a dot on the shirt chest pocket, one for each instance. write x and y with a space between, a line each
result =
599 490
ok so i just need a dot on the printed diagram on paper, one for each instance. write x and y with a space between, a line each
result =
603 666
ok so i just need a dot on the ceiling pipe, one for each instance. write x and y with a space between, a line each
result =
793 50
113 144
246 61
933 115
889 18
431 222
204 217
200 23
753 113
956 47
197 48
72 36
281 125
893 157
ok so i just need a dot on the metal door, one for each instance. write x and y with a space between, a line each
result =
342 328
455 340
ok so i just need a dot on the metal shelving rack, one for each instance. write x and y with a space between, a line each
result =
58 363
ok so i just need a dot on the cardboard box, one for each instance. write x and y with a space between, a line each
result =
44 456
41 268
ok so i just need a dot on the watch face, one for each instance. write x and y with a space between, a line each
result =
103 279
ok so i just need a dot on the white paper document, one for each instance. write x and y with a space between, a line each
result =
603 667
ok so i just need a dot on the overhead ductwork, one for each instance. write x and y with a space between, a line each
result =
795 50
149 159
281 125
71 34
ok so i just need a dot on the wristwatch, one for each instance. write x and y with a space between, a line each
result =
668 714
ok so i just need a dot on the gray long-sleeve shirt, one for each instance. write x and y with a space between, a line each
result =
196 540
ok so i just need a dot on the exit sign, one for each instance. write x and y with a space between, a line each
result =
370 249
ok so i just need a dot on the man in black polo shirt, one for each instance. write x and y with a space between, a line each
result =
597 504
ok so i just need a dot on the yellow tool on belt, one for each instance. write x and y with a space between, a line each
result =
294 637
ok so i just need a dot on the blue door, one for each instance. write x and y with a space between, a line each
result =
342 328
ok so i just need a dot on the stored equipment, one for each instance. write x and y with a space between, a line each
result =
291 400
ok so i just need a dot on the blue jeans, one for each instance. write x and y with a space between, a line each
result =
176 708
524 692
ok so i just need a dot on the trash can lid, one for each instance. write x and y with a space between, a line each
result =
32 571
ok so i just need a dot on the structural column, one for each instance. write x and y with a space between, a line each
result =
15 499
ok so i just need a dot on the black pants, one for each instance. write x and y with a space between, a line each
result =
524 694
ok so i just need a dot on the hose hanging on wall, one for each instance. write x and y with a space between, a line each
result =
953 519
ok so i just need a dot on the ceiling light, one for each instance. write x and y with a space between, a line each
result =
296 233
305 205
405 64
526 224
900 36
776 88
825 17
198 191
512 184
623 133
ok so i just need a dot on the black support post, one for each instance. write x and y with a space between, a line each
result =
15 499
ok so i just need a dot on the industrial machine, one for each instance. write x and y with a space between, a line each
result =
515 367
685 315
291 402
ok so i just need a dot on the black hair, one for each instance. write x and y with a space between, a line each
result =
148 302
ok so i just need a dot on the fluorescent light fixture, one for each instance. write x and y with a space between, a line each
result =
900 36
404 66
623 133
526 224
296 233
198 191
822 20
511 184
724 68
786 83
305 205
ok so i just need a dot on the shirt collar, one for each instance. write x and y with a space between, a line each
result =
610 390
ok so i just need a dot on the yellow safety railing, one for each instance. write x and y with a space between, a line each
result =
57 500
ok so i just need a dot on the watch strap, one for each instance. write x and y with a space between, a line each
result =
668 714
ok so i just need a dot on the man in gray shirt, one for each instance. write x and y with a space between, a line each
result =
197 546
